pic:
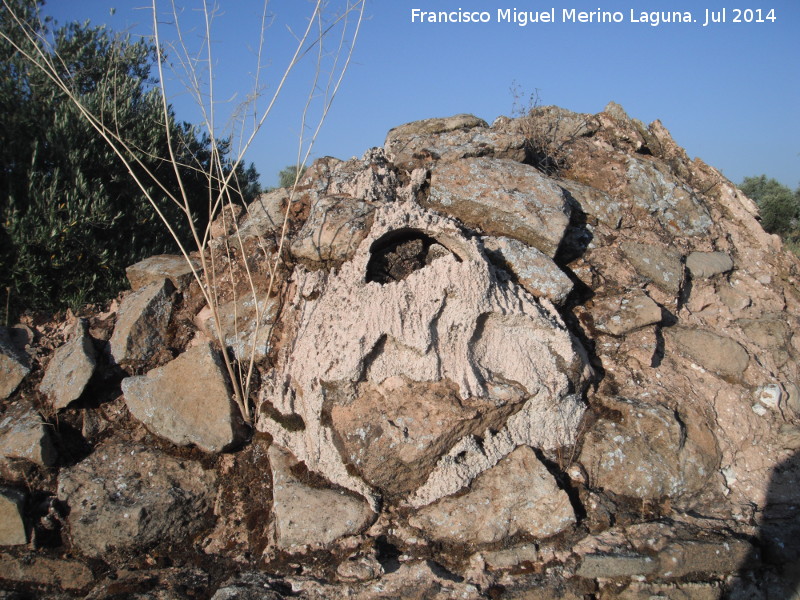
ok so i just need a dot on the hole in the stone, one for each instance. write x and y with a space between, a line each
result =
397 254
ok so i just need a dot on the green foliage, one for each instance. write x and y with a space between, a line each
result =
72 217
779 208
287 176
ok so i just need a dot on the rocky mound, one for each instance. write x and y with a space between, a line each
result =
548 358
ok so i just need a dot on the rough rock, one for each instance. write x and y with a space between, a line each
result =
595 203
716 353
248 586
25 435
247 325
660 265
420 143
66 574
503 198
768 332
14 365
157 268
393 433
645 451
306 515
534 270
490 512
187 401
449 319
12 524
141 328
719 557
333 230
127 497
265 215
509 558
70 369
704 265
681 591
621 314
611 566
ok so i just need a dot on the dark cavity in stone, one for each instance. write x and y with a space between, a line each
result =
399 253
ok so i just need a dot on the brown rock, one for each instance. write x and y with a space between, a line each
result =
421 143
128 498
395 432
141 328
660 265
14 364
70 368
714 352
265 214
12 526
503 198
157 268
595 203
25 435
518 495
621 314
611 566
306 515
704 265
645 452
39 570
246 325
717 557
187 401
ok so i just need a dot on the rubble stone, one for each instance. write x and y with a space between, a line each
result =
25 435
14 365
492 510
127 498
156 269
503 198
70 369
187 401
306 515
12 525
714 352
704 265
141 328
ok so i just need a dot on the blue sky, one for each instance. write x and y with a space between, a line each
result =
729 92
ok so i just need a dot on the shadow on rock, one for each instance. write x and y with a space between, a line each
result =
772 570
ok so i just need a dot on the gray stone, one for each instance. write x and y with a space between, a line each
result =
12 525
595 203
503 198
611 566
265 214
645 452
310 516
793 397
142 321
421 143
622 314
187 401
717 353
127 498
155 269
704 265
516 496
14 364
248 586
767 333
663 591
247 330
665 197
333 230
534 270
70 368
660 265
25 435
